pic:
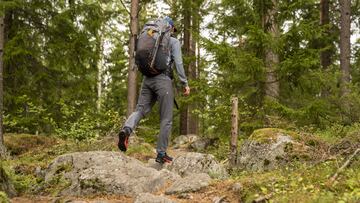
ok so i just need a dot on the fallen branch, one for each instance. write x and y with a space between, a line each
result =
263 198
333 178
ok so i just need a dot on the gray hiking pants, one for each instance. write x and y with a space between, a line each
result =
158 88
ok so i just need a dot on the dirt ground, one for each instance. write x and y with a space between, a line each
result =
215 190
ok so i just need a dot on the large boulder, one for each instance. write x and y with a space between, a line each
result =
192 162
267 149
103 172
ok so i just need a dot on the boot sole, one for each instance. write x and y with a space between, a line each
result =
123 139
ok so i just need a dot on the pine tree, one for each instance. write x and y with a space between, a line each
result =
132 71
345 21
2 33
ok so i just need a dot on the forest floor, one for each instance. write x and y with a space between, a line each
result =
299 182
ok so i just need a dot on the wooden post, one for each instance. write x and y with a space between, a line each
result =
234 131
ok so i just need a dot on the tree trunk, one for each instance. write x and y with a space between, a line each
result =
271 57
189 122
193 120
184 111
132 74
234 131
100 64
345 45
2 26
325 55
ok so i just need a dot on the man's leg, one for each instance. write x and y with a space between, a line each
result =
165 95
146 100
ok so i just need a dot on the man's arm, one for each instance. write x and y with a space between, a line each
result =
177 57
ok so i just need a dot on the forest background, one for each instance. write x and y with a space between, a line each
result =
67 67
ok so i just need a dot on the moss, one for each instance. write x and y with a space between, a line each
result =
301 183
141 152
4 198
266 135
63 168
93 184
55 186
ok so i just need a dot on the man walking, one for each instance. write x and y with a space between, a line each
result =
158 88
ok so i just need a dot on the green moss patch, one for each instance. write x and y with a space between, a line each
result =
267 135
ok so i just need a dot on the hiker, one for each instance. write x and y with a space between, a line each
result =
157 81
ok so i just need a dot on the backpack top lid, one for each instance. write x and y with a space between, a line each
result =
158 25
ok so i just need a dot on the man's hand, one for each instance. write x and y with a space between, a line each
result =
186 91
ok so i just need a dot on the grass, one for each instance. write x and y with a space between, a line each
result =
302 183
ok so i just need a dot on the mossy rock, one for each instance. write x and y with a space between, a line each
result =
271 148
268 135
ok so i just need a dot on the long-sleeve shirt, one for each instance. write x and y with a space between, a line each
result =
176 57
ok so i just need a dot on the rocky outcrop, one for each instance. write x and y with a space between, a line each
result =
104 173
192 163
267 149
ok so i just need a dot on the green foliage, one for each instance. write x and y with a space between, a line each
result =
303 183
4 198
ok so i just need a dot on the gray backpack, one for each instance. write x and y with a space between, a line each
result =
153 48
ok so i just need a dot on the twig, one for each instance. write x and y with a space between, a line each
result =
263 198
220 199
333 178
123 4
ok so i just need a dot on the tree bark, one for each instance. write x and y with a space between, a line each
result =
345 11
234 131
271 57
2 29
184 111
132 72
325 55
100 68
189 122
193 119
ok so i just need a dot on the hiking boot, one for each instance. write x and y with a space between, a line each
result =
124 135
163 158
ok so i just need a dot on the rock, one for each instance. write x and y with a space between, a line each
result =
153 164
149 198
265 149
169 176
180 140
200 144
193 162
237 187
191 183
185 140
103 172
